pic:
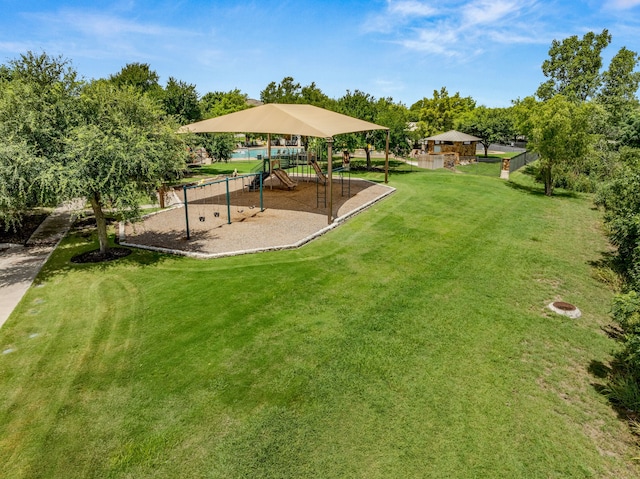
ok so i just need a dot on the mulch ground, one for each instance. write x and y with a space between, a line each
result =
289 217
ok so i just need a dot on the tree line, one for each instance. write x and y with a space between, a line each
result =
61 133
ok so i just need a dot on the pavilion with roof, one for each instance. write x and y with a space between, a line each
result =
461 144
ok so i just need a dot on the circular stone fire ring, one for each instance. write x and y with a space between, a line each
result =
565 309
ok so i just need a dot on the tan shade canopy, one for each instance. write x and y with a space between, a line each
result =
306 120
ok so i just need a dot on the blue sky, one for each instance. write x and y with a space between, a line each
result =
491 50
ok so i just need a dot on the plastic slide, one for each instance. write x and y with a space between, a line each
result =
284 178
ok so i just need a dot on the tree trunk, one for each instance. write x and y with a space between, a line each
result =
101 222
161 196
368 155
486 149
548 184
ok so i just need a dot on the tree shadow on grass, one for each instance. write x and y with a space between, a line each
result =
539 191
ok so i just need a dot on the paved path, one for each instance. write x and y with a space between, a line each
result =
19 265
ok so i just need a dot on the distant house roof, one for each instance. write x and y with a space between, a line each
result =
453 135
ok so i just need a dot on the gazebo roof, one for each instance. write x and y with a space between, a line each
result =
453 135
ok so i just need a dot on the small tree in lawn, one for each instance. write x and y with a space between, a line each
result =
558 129
122 150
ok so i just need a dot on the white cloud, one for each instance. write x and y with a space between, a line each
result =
106 35
104 25
409 8
486 12
461 28
437 40
624 4
15 47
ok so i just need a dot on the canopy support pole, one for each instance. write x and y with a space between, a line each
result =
186 210
386 159
330 178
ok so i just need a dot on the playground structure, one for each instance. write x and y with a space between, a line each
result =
289 220
219 201
307 167
235 198
296 119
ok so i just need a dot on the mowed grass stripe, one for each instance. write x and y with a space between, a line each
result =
410 342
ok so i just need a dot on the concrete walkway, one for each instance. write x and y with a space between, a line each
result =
19 264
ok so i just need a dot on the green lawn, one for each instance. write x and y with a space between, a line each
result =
201 172
487 166
482 168
413 341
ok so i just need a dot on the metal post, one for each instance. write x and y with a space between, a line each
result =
386 160
269 149
261 204
330 179
186 210
228 203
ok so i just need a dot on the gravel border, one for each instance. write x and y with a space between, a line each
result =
290 220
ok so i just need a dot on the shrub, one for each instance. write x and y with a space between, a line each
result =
623 386
624 390
626 312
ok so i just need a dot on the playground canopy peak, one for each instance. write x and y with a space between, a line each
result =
278 118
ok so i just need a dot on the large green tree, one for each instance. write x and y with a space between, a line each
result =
394 116
559 130
630 129
312 95
290 91
382 111
620 85
214 104
219 145
180 99
440 113
574 67
123 148
139 76
38 103
287 91
491 125
218 103
363 106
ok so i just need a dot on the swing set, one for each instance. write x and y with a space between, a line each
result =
211 198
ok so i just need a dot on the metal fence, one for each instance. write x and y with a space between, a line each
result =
521 160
